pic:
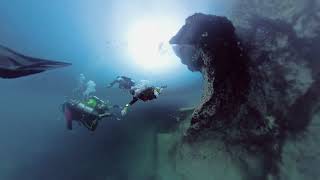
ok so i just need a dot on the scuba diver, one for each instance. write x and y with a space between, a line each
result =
87 112
124 82
143 93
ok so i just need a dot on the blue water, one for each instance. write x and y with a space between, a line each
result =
34 142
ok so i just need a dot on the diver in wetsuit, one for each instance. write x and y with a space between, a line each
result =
124 82
143 93
87 112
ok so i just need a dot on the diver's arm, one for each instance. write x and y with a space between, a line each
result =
125 109
162 88
113 83
134 100
104 115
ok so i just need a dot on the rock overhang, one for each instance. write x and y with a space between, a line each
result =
203 34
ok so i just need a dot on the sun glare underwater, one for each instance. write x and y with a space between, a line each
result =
148 44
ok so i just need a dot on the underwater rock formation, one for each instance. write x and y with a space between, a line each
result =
284 38
209 44
259 86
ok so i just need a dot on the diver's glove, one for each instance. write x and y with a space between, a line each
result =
124 111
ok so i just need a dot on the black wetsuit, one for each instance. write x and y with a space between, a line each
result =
145 95
124 82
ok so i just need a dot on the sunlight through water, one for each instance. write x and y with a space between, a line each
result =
148 44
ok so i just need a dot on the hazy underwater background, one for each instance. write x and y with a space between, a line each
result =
35 143
92 35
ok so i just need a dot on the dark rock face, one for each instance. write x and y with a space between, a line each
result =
259 87
218 54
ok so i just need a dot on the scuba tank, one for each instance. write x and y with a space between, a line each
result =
99 101
82 107
93 105
85 108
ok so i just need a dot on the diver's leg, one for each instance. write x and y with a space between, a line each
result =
112 83
94 125
84 123
122 86
68 116
88 125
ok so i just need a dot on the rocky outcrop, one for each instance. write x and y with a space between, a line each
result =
260 87
210 45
